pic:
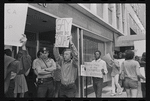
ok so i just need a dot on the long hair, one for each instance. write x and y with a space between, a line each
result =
129 54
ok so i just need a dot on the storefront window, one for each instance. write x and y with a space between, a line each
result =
89 46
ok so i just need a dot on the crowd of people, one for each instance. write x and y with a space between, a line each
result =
56 77
126 74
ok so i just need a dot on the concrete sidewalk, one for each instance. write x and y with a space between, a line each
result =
107 94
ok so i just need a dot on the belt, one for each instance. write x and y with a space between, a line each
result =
45 79
66 85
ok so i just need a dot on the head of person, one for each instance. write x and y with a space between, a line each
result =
136 58
144 57
129 55
97 54
8 52
43 53
115 56
120 55
67 54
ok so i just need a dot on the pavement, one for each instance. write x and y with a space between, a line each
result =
107 93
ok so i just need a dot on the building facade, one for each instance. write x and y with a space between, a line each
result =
95 27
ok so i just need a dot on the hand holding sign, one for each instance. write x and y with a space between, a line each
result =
23 40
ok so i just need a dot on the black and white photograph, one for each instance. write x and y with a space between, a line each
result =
75 50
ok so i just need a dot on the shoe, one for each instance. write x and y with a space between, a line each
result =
113 94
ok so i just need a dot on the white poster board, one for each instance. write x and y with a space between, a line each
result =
142 71
107 58
139 47
63 30
14 23
91 69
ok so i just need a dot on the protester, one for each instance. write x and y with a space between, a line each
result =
143 82
130 73
20 81
44 67
68 63
115 75
12 68
120 59
98 81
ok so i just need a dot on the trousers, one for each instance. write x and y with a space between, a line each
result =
46 89
98 85
67 90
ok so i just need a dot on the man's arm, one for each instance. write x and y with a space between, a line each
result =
104 70
74 54
39 70
57 55
53 66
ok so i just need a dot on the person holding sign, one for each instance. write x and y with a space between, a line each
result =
115 75
68 63
130 71
12 68
98 81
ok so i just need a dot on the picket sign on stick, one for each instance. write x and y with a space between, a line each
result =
63 31
14 23
91 69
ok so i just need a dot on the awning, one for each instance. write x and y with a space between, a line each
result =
129 40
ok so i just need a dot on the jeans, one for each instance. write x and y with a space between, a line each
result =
10 92
143 88
98 85
115 84
46 89
57 87
67 91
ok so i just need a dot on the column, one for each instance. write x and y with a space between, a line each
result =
125 22
105 12
37 45
93 8
120 19
114 23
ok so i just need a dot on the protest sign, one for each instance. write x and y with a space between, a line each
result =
142 71
14 23
91 69
63 31
107 58
139 47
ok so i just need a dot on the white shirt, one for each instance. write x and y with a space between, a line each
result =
103 65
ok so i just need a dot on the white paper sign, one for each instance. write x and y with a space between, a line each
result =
142 71
139 47
14 23
91 69
63 30
107 58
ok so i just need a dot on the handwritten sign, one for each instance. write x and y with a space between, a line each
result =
139 47
142 71
63 30
91 69
14 23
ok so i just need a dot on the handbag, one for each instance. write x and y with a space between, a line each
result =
122 74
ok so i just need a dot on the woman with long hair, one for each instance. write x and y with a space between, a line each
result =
131 71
